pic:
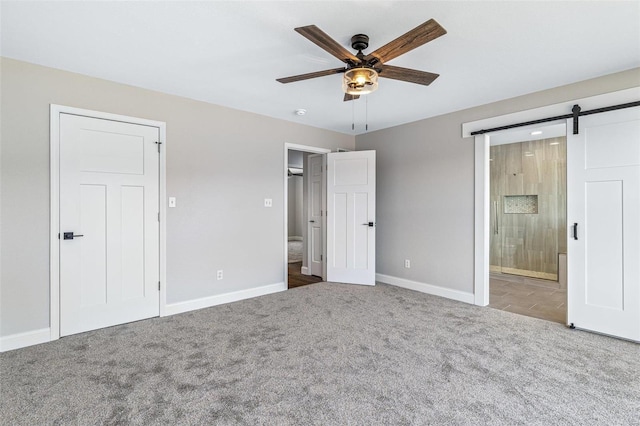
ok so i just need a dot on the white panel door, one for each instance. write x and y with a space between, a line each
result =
351 217
109 195
315 235
603 212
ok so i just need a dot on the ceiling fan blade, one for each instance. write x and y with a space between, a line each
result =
406 74
310 75
418 36
348 97
322 39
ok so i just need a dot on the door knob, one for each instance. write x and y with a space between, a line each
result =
370 224
70 235
312 221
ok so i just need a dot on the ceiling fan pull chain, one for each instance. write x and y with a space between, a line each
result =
366 113
353 116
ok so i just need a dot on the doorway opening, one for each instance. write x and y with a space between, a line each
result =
528 222
305 227
339 235
602 184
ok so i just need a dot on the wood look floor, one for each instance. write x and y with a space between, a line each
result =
534 298
296 279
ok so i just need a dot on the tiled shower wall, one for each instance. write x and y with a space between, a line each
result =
528 207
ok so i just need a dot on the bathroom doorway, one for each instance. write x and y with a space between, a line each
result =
528 243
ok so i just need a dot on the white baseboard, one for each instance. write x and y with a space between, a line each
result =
220 299
305 270
295 238
21 340
458 295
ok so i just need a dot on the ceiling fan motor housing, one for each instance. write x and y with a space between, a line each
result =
360 41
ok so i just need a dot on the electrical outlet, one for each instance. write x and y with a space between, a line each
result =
407 263
268 202
172 201
219 274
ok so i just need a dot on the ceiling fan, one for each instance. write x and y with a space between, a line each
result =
362 71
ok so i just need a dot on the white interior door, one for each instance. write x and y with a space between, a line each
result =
603 199
109 198
351 217
315 246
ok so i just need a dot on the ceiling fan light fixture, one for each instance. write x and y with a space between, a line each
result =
360 81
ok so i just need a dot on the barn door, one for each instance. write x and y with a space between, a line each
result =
603 215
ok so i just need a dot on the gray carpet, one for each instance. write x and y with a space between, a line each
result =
327 354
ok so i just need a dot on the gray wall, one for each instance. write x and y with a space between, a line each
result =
220 221
425 185
295 188
295 158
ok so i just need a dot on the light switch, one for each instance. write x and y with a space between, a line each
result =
172 201
268 202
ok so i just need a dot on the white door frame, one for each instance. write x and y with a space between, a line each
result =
54 215
303 148
481 184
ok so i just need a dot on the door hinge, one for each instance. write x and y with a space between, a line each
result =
320 258
158 285
158 143
158 216
58 235
321 213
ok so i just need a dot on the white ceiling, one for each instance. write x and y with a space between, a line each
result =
230 53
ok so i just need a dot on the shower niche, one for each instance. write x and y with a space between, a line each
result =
528 207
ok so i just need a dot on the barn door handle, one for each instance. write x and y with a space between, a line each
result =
575 231
70 235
